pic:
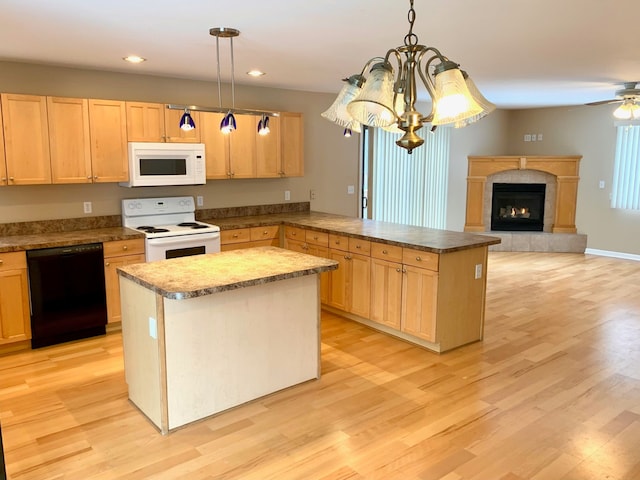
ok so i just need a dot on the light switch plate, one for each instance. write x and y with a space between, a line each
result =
153 328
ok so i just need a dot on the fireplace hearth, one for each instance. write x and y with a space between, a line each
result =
518 207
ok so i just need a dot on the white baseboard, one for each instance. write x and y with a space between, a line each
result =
607 253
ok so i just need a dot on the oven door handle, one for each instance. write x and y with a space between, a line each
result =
181 239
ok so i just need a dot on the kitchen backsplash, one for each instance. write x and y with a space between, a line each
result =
108 221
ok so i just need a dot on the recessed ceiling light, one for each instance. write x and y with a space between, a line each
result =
134 59
255 73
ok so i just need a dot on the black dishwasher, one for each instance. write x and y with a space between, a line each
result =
68 299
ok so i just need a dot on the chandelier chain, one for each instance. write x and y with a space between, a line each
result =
411 38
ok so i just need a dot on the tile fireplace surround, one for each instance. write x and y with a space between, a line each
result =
559 173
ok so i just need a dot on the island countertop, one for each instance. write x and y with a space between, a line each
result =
198 275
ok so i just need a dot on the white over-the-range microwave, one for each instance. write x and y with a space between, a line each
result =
162 164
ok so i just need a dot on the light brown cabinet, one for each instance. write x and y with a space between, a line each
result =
154 122
250 237
108 132
117 254
268 150
3 164
231 155
313 243
351 282
26 139
292 145
387 274
15 321
69 140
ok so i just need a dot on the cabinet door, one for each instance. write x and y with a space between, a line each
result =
242 147
145 122
108 126
3 165
292 145
216 145
338 287
268 150
420 290
15 321
26 139
172 131
359 283
112 283
69 140
325 277
386 292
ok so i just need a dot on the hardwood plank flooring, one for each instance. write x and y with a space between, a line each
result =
552 392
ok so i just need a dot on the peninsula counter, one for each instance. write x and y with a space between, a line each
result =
205 333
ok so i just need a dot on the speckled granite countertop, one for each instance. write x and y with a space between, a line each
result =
195 276
427 239
14 243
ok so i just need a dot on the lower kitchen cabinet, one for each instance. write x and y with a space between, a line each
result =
351 282
419 300
15 321
250 237
386 292
313 243
117 254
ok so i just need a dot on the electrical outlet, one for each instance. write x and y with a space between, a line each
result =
287 195
601 184
200 200
527 138
478 271
539 137
351 189
313 195
87 207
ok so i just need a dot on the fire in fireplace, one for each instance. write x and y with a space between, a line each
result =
518 207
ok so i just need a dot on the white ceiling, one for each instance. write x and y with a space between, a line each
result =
520 53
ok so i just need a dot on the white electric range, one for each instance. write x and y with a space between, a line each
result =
170 227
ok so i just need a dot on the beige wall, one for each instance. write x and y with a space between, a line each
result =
590 132
331 161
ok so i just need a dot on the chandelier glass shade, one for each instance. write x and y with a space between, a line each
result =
385 97
186 122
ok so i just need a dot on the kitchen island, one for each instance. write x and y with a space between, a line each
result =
205 333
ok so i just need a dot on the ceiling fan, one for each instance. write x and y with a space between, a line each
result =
629 96
628 92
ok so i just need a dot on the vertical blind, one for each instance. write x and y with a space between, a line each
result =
410 189
626 171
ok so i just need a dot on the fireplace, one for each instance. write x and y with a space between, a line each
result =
518 207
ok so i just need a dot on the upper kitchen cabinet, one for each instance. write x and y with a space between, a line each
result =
145 122
154 122
108 131
173 132
268 150
69 140
3 165
292 145
230 155
26 139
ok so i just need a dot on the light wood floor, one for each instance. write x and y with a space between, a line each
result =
553 392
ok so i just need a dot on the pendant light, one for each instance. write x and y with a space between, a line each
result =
228 123
374 94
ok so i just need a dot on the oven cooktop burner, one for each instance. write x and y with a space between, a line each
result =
193 225
149 229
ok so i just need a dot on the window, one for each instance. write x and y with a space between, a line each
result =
403 188
626 171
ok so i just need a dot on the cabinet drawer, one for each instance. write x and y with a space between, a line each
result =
123 247
359 246
383 251
294 233
338 242
13 260
419 258
265 233
237 235
317 238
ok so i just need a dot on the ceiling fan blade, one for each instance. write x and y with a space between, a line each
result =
604 102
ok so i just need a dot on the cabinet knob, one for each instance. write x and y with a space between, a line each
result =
1 262
315 237
358 246
11 179
293 234
384 252
95 177
107 264
4 179
404 270
124 247
265 232
235 235
418 259
398 270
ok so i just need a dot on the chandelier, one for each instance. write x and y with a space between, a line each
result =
386 99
